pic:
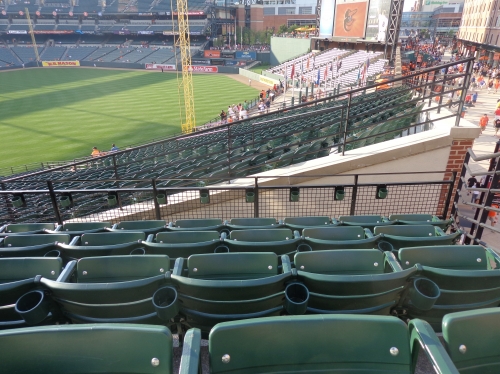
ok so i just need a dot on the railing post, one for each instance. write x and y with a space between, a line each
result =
489 200
465 86
432 87
229 149
155 201
346 121
54 202
116 171
354 195
256 199
448 195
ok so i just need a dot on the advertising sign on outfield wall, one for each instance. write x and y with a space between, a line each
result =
159 67
203 69
247 55
210 53
60 63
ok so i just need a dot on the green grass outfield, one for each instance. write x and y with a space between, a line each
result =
53 114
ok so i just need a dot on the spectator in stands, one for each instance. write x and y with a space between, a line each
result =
492 215
243 114
114 148
95 152
268 104
497 125
223 116
474 97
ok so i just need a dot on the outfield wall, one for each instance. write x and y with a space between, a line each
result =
258 78
284 49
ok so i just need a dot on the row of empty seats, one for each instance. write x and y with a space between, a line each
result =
298 344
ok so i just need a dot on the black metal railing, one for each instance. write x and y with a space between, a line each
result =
430 194
331 125
475 208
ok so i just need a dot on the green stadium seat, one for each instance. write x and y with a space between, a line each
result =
471 339
300 223
229 286
253 223
32 245
102 244
339 237
25 228
17 276
468 277
88 348
79 228
367 221
279 241
196 225
147 227
104 290
319 344
420 219
185 243
361 281
399 236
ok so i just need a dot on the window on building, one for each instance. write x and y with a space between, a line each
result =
286 10
305 10
269 11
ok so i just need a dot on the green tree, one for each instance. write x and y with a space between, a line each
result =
283 29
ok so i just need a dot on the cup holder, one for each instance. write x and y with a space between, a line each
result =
138 252
304 248
424 293
33 307
53 253
385 246
221 249
165 303
296 298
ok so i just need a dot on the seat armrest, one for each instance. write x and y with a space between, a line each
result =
2 228
423 337
150 238
75 241
67 272
58 228
368 233
223 236
286 264
296 234
114 227
178 266
392 261
190 359
335 222
439 231
170 225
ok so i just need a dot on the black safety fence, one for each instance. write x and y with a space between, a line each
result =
354 194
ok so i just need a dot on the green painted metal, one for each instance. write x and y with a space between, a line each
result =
367 221
196 224
279 241
300 223
148 227
253 223
95 348
31 245
27 228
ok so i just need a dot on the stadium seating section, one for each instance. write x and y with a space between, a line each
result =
215 155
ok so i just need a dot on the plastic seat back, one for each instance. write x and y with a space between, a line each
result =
352 262
27 227
140 225
455 257
335 233
111 238
307 221
121 268
82 226
411 217
184 237
232 265
96 348
262 235
253 221
354 220
14 269
471 339
197 223
422 231
300 344
35 239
